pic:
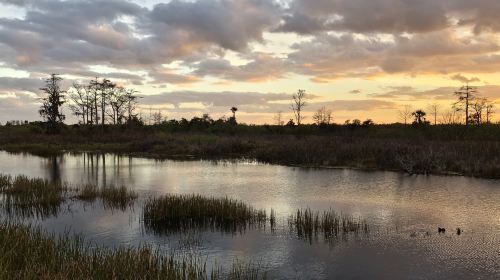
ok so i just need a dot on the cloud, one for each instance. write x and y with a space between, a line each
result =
463 79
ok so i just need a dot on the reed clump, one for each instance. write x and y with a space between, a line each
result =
111 196
31 197
28 253
172 213
311 224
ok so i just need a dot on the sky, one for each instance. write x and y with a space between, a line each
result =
359 58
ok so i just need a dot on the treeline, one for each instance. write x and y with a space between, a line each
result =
97 102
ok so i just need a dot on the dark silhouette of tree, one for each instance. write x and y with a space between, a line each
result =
105 88
489 112
232 119
419 116
368 122
323 116
290 123
50 110
405 113
298 104
466 95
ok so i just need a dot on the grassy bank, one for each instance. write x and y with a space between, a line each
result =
29 253
473 151
185 212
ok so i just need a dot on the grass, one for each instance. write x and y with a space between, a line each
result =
34 197
441 149
28 253
171 213
310 224
111 196
26 197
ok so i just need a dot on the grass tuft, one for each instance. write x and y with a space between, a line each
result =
309 224
170 213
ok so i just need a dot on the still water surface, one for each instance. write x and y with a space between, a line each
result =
403 212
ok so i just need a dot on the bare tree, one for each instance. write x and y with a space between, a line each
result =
298 104
405 114
434 111
466 95
117 101
157 117
278 119
489 111
450 117
50 110
131 98
323 116
79 102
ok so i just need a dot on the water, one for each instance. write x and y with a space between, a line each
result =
404 213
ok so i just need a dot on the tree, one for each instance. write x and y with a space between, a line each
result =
232 119
405 113
434 110
419 116
298 104
105 87
466 95
323 116
278 119
79 102
117 100
489 112
131 105
50 110
450 117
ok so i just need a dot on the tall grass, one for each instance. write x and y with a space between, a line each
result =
24 196
111 196
34 197
310 224
171 213
28 253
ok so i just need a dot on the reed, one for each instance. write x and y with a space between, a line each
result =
28 253
111 196
310 224
27 197
171 213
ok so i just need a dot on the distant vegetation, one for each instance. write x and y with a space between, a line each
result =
462 140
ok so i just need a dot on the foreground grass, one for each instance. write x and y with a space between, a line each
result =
171 213
28 253
310 224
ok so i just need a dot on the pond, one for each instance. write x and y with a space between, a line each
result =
404 213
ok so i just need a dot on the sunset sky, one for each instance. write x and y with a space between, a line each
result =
360 58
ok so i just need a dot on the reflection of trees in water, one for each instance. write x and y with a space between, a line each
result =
97 166
52 166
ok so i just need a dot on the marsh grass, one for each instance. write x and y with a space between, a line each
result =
309 224
26 197
28 253
169 214
111 196
31 197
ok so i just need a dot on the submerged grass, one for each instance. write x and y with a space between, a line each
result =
111 196
310 224
34 197
25 196
28 253
171 213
